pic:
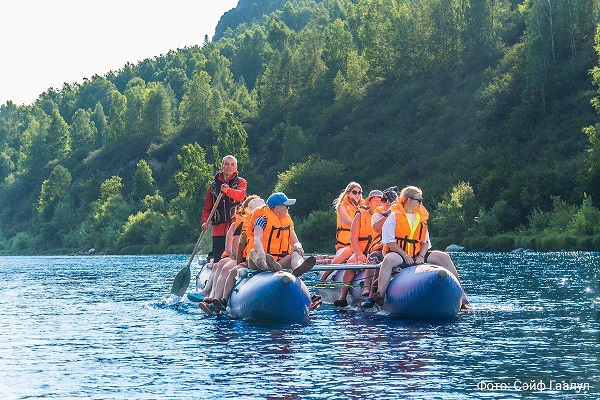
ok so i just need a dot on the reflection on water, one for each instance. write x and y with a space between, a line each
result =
106 327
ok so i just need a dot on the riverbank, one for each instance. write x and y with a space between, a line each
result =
508 242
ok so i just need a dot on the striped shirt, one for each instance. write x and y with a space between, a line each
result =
261 221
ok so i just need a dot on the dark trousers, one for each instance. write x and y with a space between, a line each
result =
218 247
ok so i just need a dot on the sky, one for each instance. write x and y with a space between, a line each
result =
46 43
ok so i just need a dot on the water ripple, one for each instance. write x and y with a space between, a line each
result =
106 327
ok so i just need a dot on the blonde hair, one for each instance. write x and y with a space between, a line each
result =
410 192
349 188
247 200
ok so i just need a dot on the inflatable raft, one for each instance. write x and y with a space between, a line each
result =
423 291
263 296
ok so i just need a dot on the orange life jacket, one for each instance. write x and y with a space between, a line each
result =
235 220
409 237
342 237
244 221
276 235
368 241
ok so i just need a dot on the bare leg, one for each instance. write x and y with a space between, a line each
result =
215 276
220 285
347 279
341 255
443 260
209 282
230 282
385 274
367 283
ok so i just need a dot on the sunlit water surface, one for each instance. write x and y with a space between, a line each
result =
106 328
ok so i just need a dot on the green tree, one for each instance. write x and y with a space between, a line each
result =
231 139
58 138
591 174
83 132
195 108
295 145
116 117
456 214
275 85
315 181
135 91
32 155
156 112
350 84
53 190
377 34
247 61
109 213
338 44
586 220
143 182
177 79
101 123
193 179
217 67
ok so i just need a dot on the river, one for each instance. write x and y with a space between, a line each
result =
104 327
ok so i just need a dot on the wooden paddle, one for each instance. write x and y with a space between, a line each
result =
182 279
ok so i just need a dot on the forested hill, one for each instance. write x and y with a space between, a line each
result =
487 105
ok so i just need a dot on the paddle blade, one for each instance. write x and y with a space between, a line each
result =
182 281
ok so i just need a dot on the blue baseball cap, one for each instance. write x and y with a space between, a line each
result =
278 198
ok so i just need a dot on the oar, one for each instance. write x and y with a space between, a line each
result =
182 279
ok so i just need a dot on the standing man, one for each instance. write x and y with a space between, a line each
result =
233 188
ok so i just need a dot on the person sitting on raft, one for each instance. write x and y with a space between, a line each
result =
376 257
346 205
214 286
225 282
363 242
406 236
390 195
272 241
231 245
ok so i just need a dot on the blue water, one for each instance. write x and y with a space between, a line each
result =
104 328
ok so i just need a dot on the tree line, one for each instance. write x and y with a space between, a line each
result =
488 105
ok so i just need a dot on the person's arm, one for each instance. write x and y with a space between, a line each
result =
354 245
261 258
343 213
388 235
237 194
426 245
378 219
229 240
295 243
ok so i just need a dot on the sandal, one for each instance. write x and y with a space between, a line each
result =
369 303
305 266
340 303
315 301
206 308
272 264
219 305
378 298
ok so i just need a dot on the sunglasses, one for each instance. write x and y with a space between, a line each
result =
356 191
419 200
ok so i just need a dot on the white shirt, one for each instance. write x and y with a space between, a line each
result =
388 231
